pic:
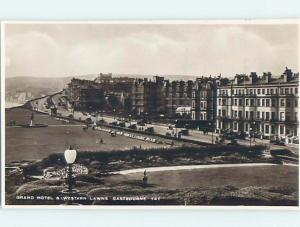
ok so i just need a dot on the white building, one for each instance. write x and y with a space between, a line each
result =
264 105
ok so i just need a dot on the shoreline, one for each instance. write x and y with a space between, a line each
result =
10 105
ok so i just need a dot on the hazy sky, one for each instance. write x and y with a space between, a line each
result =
55 50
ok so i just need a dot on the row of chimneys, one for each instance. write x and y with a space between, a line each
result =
266 77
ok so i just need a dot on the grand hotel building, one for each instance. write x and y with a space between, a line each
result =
264 105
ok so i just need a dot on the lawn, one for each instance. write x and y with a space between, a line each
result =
250 185
265 185
23 116
38 143
260 176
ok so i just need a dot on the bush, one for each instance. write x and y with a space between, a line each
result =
283 152
167 156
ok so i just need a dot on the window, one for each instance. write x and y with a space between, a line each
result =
224 113
247 102
296 116
273 115
246 126
240 102
281 116
263 102
281 91
267 116
296 103
286 91
247 114
281 129
257 114
282 102
235 102
235 114
263 91
251 102
273 102
219 102
268 91
219 112
251 115
288 103
240 114
296 90
262 115
224 102
235 126
258 102
272 91
287 116
258 91
267 129
272 129
267 102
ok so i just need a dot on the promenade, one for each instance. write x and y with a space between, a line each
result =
159 128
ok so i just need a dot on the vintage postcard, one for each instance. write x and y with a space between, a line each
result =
150 114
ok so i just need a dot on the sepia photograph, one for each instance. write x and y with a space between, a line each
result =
150 114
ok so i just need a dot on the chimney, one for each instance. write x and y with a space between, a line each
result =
253 77
287 75
267 77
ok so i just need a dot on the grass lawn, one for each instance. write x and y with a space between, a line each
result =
23 116
257 185
38 143
237 185
260 176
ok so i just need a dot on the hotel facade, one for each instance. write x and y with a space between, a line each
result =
266 105
204 99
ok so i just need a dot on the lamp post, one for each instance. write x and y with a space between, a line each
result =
250 134
70 157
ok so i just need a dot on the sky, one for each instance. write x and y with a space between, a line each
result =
59 50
